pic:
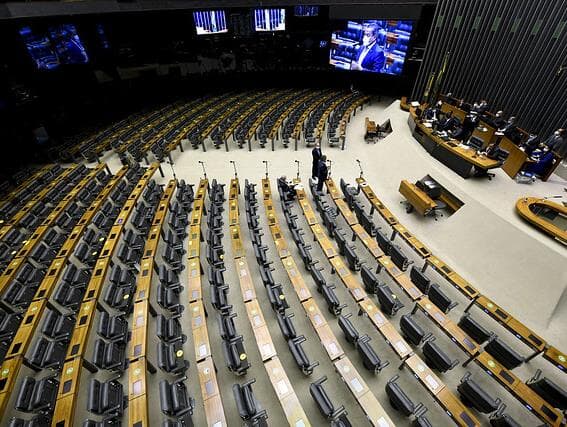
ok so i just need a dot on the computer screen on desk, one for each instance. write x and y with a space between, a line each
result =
375 46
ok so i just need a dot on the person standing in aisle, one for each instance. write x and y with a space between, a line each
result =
316 153
322 173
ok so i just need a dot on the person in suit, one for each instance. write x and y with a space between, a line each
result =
434 113
370 56
541 167
497 121
447 123
469 124
322 172
316 153
481 107
287 188
557 139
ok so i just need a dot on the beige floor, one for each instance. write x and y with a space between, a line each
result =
485 241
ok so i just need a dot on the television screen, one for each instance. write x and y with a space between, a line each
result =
210 22
269 19
40 49
68 45
306 11
376 46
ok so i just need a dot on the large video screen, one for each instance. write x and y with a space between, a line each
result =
40 49
306 10
269 19
210 22
375 46
68 45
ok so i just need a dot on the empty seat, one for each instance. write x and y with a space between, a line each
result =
411 330
169 329
436 358
474 329
120 297
87 255
305 256
419 279
369 279
351 334
235 355
173 258
69 296
106 398
442 301
128 255
47 354
286 325
370 358
247 404
326 407
400 400
56 325
277 298
333 304
18 294
110 355
112 327
37 396
503 420
548 390
389 302
472 395
174 398
9 324
37 421
170 357
398 257
300 356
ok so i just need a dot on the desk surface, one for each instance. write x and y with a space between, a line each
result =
525 206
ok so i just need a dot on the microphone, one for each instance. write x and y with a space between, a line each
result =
203 166
360 167
234 166
297 161
266 164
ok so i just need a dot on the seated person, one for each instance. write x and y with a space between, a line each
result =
468 127
447 123
491 150
508 126
531 144
497 121
465 106
556 141
545 161
481 107
433 113
287 187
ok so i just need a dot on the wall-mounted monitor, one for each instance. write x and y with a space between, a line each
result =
269 19
67 44
376 46
306 11
40 49
210 22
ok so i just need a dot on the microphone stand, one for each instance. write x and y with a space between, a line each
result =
360 167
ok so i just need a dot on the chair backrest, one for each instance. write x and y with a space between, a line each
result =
411 330
474 329
419 279
473 395
502 352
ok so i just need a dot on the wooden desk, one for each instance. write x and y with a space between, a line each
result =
400 278
462 285
260 329
140 314
369 243
362 393
245 280
329 342
214 411
307 210
279 241
64 413
517 158
144 282
520 331
236 242
375 202
314 314
347 214
138 412
326 245
194 283
284 390
418 199
556 357
417 246
455 408
332 189
8 378
194 244
137 381
526 207
349 280
25 333
296 279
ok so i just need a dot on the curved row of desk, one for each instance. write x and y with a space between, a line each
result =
528 208
282 385
23 337
365 398
69 387
505 377
459 414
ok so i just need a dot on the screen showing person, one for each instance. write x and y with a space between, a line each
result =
376 46
40 49
68 45
269 19
306 10
210 22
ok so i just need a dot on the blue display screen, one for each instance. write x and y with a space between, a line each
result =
269 19
210 22
306 10
376 46
40 49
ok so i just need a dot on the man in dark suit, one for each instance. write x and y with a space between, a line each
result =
316 153
447 123
322 172
370 56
